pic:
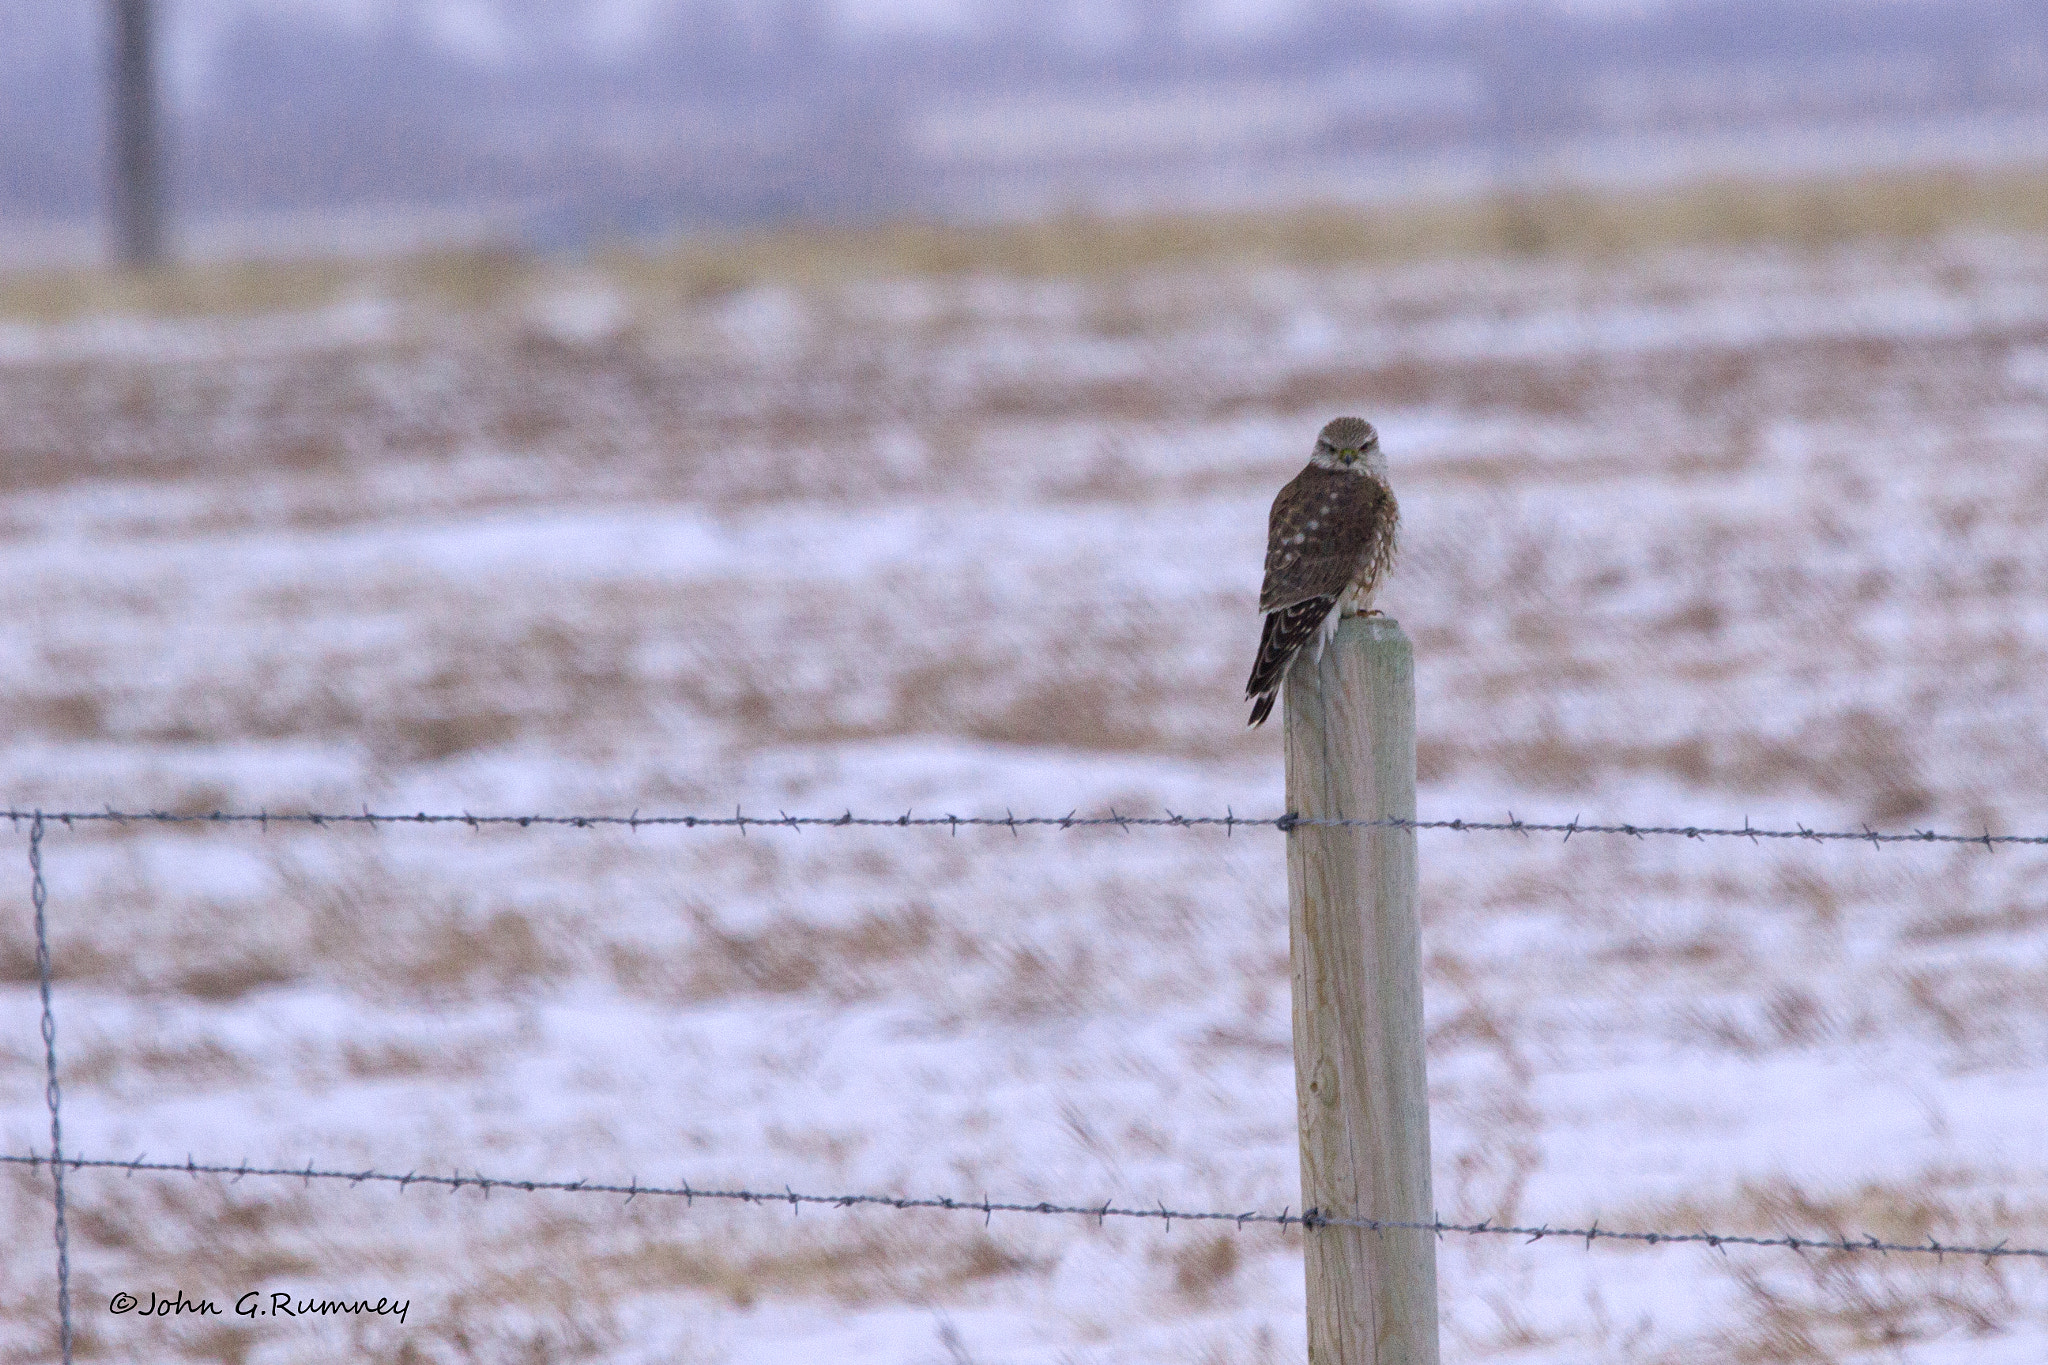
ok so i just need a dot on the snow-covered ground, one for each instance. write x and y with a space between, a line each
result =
1714 535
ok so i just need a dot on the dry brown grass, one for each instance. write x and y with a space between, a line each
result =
1950 922
376 929
1826 1307
466 278
1204 1268
1842 1310
547 1286
787 956
1046 983
1904 204
1857 756
150 1063
1785 1017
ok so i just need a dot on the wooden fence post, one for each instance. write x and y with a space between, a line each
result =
1354 939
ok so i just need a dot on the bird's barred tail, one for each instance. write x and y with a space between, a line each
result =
1287 630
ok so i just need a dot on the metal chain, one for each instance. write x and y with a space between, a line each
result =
39 894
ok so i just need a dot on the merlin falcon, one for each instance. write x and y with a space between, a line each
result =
1329 542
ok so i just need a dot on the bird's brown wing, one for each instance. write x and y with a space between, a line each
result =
1324 525
1285 634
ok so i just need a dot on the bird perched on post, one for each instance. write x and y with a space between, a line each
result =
1329 542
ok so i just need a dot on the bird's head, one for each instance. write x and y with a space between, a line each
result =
1349 443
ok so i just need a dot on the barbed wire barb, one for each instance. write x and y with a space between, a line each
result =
988 1207
1229 822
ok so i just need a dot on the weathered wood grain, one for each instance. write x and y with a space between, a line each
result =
1354 936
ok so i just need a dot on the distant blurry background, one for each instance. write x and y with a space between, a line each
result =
296 125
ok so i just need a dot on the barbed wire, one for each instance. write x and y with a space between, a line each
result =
39 895
988 1207
1228 822
1311 1219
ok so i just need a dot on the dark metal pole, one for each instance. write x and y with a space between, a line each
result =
136 149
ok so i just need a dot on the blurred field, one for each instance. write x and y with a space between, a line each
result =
1699 527
1895 205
